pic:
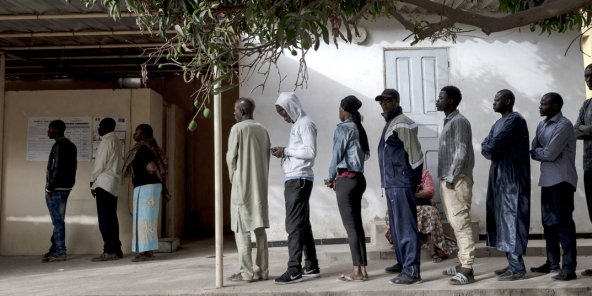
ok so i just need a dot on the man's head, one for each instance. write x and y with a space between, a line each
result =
389 100
551 104
588 76
448 99
56 129
503 101
243 109
106 126
143 131
288 107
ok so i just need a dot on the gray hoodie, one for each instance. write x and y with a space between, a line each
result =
300 153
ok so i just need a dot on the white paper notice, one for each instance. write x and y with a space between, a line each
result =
78 130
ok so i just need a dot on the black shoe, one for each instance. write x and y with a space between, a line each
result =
394 269
311 272
54 258
501 271
511 276
565 276
546 268
587 272
289 277
119 254
46 255
404 279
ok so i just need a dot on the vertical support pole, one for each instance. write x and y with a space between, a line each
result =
2 104
218 186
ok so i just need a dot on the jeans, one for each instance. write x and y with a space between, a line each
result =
56 204
300 238
108 223
516 262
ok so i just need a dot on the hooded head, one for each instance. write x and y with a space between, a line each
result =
288 106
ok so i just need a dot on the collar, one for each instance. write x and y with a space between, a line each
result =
388 116
555 118
451 115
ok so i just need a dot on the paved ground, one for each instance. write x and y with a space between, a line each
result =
190 271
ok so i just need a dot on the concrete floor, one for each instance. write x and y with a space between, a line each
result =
190 271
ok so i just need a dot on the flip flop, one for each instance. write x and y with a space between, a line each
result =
348 278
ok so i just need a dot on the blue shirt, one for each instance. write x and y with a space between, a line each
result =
347 150
554 145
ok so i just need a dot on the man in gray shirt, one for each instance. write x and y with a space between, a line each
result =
554 145
456 160
583 131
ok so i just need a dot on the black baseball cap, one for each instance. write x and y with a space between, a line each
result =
388 93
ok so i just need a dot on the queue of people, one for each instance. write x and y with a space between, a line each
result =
407 186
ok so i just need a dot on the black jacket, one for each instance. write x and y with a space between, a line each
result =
395 171
61 167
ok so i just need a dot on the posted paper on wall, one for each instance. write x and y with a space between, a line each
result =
78 130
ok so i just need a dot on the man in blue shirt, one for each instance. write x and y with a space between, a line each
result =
554 145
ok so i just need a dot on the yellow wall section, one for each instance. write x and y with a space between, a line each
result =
26 227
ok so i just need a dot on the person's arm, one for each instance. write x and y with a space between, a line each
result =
582 131
339 147
550 152
100 162
486 146
232 153
308 136
505 139
462 139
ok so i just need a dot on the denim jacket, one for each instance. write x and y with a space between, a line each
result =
347 150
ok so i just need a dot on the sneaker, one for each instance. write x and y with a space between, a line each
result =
54 258
289 277
105 257
394 269
511 276
501 271
565 276
587 272
311 272
46 255
404 279
546 268
144 256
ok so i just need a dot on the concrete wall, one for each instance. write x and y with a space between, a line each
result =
528 63
26 226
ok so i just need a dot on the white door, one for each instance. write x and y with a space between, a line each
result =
418 75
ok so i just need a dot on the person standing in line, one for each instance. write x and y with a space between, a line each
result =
583 131
147 165
456 160
554 146
406 129
60 178
297 161
508 191
399 183
105 179
247 159
346 177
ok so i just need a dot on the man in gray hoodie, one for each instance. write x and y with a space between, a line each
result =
297 160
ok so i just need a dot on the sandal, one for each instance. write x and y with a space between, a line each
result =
351 278
462 279
452 270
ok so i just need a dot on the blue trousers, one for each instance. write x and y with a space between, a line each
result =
403 225
56 204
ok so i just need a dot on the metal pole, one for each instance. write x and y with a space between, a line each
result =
218 185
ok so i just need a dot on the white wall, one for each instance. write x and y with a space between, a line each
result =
26 227
527 63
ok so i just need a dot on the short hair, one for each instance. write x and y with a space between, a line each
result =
108 123
555 98
454 93
146 130
248 103
589 67
506 93
59 125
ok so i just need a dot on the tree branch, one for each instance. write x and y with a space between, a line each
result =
490 24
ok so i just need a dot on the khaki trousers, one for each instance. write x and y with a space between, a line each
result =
243 245
457 207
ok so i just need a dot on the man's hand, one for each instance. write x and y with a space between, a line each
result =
94 193
586 129
277 151
330 183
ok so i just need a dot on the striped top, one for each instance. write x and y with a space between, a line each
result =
455 155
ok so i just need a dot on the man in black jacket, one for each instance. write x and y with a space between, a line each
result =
60 178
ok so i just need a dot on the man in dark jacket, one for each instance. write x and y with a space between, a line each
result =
398 182
508 192
60 178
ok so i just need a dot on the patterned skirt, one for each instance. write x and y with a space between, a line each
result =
145 217
428 224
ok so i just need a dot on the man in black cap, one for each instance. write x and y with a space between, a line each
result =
399 182
406 130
